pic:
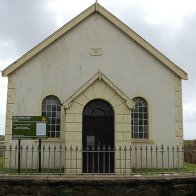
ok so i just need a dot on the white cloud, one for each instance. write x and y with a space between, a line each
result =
65 9
3 98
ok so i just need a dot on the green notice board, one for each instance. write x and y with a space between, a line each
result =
29 127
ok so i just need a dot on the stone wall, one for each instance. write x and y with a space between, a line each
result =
177 186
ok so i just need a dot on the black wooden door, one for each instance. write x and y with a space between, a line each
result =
98 140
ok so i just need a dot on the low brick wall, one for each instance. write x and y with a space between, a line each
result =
92 186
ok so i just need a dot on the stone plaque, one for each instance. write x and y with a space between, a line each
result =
95 51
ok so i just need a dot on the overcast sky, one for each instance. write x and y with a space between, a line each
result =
169 25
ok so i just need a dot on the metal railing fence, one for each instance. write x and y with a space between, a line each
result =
63 160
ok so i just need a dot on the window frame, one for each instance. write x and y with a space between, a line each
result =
140 119
51 107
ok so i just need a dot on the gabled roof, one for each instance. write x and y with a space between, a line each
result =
99 76
96 8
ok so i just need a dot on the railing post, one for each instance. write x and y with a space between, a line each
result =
120 157
173 155
141 155
109 149
104 151
156 156
146 157
60 152
98 151
178 157
76 159
136 157
65 150
87 156
162 148
10 158
130 148
40 154
27 148
15 163
54 158
125 159
43 157
151 149
93 158
32 149
49 149
19 155
71 155
168 157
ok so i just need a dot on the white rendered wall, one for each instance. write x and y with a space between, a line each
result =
64 66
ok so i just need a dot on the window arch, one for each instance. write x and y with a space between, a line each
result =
98 108
51 107
139 119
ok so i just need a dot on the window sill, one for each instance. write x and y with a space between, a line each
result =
55 140
142 141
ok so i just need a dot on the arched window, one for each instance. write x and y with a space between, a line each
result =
51 107
139 119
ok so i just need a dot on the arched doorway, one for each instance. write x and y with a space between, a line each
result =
98 137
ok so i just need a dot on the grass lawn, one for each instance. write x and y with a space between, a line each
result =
1 163
188 168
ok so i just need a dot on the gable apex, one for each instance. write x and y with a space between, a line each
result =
96 7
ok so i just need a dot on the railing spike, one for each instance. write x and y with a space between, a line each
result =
98 147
